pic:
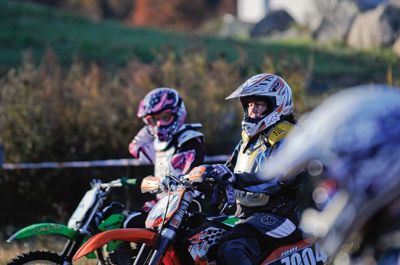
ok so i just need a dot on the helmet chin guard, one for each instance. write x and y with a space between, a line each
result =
253 128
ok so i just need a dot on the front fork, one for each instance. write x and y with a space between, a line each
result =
169 232
167 235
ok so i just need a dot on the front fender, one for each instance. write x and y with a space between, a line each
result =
43 229
128 234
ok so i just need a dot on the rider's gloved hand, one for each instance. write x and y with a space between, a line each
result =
167 184
225 179
218 172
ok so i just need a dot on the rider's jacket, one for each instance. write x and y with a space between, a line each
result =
254 194
183 152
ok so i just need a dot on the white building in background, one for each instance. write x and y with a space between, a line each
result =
252 11
302 11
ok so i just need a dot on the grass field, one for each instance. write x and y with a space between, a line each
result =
112 44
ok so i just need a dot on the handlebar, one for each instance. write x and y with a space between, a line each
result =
114 183
178 180
119 183
182 180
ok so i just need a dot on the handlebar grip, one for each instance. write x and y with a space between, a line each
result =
126 181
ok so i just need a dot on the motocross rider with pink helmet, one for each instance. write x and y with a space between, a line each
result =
166 141
268 210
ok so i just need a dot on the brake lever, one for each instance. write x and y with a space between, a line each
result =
178 180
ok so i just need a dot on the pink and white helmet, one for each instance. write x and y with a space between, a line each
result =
275 90
164 112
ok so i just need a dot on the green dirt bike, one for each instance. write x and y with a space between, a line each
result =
88 219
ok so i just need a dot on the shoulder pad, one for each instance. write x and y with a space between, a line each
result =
245 137
188 135
279 132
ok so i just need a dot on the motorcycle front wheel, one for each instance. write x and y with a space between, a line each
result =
37 257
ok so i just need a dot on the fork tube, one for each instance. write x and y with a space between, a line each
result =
166 237
169 232
72 246
95 209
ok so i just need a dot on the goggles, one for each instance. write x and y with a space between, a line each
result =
161 119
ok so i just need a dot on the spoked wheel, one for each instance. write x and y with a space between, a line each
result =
143 256
123 255
37 257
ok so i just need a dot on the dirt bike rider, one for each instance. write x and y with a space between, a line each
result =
354 139
166 141
267 210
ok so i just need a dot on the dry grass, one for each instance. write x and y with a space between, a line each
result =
87 112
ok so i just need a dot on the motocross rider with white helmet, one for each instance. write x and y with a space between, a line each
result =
267 209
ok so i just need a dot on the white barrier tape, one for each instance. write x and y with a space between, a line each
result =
217 158
97 163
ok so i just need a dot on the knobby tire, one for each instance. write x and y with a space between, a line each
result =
37 257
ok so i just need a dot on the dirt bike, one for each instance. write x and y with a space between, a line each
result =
176 235
89 218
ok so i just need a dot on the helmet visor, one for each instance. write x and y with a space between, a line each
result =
164 118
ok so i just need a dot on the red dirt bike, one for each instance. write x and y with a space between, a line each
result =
176 235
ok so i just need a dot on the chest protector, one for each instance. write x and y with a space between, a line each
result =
166 150
251 156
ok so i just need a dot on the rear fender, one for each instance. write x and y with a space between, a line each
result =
302 252
43 229
136 235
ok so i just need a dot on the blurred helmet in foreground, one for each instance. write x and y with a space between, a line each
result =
352 140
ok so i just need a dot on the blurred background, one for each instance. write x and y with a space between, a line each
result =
73 71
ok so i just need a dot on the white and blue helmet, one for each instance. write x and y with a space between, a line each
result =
272 88
353 139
